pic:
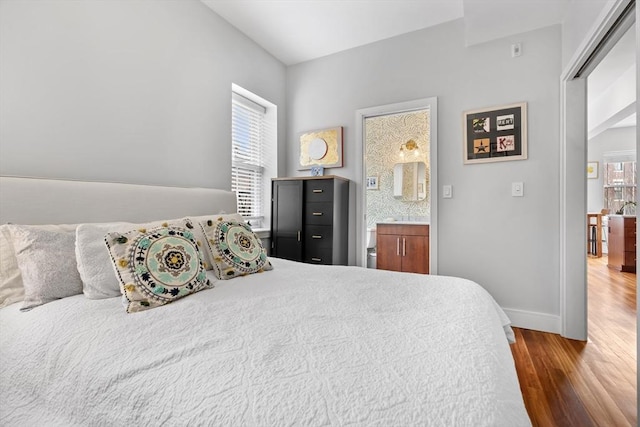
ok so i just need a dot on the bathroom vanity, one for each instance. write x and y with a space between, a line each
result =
403 246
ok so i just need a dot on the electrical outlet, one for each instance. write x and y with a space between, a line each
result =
447 191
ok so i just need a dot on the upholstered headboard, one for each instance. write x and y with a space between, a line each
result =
50 201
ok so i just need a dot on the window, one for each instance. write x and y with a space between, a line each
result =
619 180
247 157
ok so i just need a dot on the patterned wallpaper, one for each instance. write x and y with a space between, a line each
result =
383 137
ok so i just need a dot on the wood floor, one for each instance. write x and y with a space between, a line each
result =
594 383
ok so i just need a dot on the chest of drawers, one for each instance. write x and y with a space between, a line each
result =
309 219
621 241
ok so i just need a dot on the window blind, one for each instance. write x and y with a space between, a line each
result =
247 156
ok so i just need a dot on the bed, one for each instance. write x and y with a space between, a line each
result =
292 344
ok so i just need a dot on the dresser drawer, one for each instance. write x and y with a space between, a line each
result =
318 213
630 258
318 190
630 241
318 256
318 236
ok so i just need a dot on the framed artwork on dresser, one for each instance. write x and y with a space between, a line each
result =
321 148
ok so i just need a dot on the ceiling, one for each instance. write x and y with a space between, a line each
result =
296 31
613 82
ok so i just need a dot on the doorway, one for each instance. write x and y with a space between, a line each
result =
390 137
573 153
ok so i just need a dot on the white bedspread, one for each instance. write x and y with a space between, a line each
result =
299 345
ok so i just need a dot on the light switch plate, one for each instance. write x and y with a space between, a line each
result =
517 189
447 191
516 50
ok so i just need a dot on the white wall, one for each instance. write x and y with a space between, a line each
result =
614 139
509 245
135 91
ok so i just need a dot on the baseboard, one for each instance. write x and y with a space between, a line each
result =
532 320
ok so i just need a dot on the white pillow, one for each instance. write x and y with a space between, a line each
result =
11 288
93 259
47 263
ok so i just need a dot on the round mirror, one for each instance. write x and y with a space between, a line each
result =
317 149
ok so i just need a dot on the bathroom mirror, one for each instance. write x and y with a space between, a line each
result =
410 181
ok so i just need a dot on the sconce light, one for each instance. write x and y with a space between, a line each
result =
410 145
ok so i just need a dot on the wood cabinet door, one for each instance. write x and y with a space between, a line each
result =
286 219
388 249
615 243
415 254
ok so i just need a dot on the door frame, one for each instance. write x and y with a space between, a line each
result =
430 104
573 181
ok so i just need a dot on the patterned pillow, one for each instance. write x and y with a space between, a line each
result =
158 265
236 250
94 263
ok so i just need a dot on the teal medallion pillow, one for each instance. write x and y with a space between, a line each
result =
158 265
235 248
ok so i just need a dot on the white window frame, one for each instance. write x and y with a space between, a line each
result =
253 159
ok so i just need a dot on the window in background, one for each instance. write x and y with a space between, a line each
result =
619 183
247 134
253 159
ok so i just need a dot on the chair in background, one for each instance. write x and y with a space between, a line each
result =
605 229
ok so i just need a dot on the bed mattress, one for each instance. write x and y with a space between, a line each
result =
298 345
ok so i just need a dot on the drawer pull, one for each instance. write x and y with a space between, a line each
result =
316 259
314 236
298 235
317 214
317 190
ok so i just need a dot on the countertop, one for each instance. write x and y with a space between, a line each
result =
404 222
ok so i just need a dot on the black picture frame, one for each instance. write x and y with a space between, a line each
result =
495 134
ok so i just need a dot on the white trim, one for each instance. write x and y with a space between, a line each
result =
430 104
263 233
270 148
533 320
610 12
573 157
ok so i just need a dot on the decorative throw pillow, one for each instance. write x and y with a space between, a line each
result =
202 238
236 249
156 266
208 221
47 264
94 261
